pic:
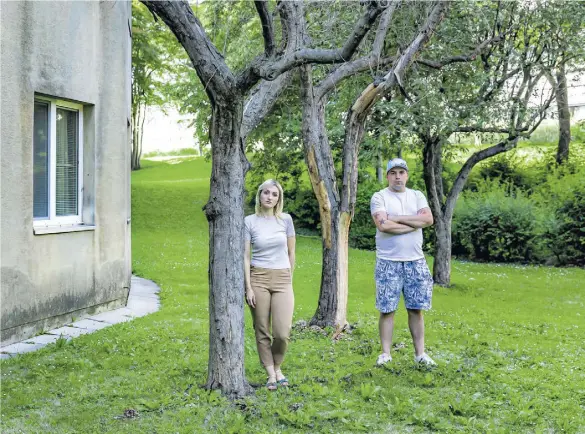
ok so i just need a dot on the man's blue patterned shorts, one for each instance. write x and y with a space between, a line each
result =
412 278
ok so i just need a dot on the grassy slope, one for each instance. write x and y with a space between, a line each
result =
507 339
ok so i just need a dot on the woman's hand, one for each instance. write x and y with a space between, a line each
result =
251 298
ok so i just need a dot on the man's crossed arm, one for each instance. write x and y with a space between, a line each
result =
403 224
422 219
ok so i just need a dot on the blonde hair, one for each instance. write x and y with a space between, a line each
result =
277 210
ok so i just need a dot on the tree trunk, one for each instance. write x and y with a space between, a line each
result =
564 116
225 214
432 169
322 175
442 262
380 167
136 137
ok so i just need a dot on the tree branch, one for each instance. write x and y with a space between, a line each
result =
478 129
462 58
269 70
365 63
267 27
206 59
424 35
465 170
347 70
383 25
264 95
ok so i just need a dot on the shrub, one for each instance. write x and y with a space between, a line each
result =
508 169
578 132
495 225
562 202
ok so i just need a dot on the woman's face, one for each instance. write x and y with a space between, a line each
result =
269 197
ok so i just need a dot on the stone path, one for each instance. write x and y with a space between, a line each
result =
143 299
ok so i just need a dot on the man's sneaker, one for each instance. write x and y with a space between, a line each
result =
383 359
424 359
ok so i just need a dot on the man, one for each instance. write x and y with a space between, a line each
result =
400 214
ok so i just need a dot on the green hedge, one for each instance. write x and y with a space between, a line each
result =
496 225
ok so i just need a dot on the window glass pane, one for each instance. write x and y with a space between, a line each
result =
41 160
67 162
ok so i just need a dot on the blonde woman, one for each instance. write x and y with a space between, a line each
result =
270 238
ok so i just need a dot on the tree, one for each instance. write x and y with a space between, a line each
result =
157 59
498 91
558 82
227 92
565 23
336 206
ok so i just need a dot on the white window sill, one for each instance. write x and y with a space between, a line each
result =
43 230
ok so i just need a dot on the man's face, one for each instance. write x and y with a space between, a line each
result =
397 178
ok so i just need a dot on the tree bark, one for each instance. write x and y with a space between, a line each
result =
322 175
379 166
434 184
442 261
138 115
225 213
564 115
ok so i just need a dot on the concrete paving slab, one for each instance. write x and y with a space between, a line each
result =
114 316
5 356
68 332
142 303
43 339
21 348
90 324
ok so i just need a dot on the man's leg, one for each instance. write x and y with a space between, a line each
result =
416 324
388 287
418 293
386 327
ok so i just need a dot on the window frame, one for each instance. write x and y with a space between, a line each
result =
54 221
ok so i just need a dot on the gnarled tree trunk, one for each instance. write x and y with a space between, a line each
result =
322 175
432 173
225 214
442 263
564 115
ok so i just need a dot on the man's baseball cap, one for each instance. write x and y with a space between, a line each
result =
396 162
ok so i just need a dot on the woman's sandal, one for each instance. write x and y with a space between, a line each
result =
271 385
283 382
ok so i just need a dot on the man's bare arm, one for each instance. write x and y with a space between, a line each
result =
423 219
384 224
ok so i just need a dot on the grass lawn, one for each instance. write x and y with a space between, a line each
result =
508 340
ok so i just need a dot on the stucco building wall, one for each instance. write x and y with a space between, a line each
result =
76 51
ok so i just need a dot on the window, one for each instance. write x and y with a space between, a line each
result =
57 163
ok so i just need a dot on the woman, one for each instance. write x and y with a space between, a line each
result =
270 237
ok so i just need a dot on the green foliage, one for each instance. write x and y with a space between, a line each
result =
534 208
507 169
496 225
159 62
362 231
578 132
500 364
562 202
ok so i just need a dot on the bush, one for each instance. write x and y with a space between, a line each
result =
562 202
508 169
495 225
578 132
